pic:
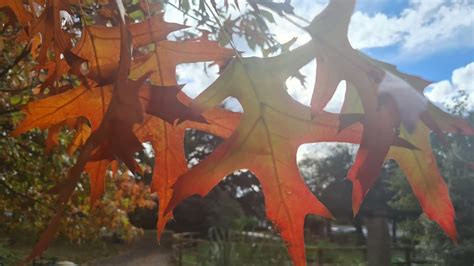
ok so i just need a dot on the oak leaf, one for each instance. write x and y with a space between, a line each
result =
49 26
272 128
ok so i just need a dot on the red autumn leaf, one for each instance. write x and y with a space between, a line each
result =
389 101
164 104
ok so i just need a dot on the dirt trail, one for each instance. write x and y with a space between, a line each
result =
145 251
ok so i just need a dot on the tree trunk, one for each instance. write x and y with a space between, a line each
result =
378 241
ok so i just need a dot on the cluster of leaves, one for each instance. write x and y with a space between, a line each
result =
29 170
115 103
105 128
230 19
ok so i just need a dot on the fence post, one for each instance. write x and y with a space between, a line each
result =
319 257
364 254
407 256
394 231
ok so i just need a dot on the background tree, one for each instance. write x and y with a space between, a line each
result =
326 177
230 205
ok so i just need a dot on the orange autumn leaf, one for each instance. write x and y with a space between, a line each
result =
93 103
83 131
272 127
168 54
95 54
77 102
419 166
169 152
48 25
99 45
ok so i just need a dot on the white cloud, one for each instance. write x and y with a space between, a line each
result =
196 77
425 27
442 93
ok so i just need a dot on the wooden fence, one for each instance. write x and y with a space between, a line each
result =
187 245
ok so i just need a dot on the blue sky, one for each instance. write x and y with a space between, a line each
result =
391 8
435 67
433 39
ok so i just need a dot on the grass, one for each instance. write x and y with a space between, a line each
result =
248 253
274 253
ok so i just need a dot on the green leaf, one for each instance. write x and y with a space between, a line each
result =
267 15
137 15
16 99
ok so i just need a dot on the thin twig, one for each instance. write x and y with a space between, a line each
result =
189 15
300 18
229 38
24 53
9 111
28 149
293 22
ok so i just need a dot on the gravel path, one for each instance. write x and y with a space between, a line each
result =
145 251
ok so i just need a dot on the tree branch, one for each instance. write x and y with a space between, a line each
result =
8 111
29 87
18 59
